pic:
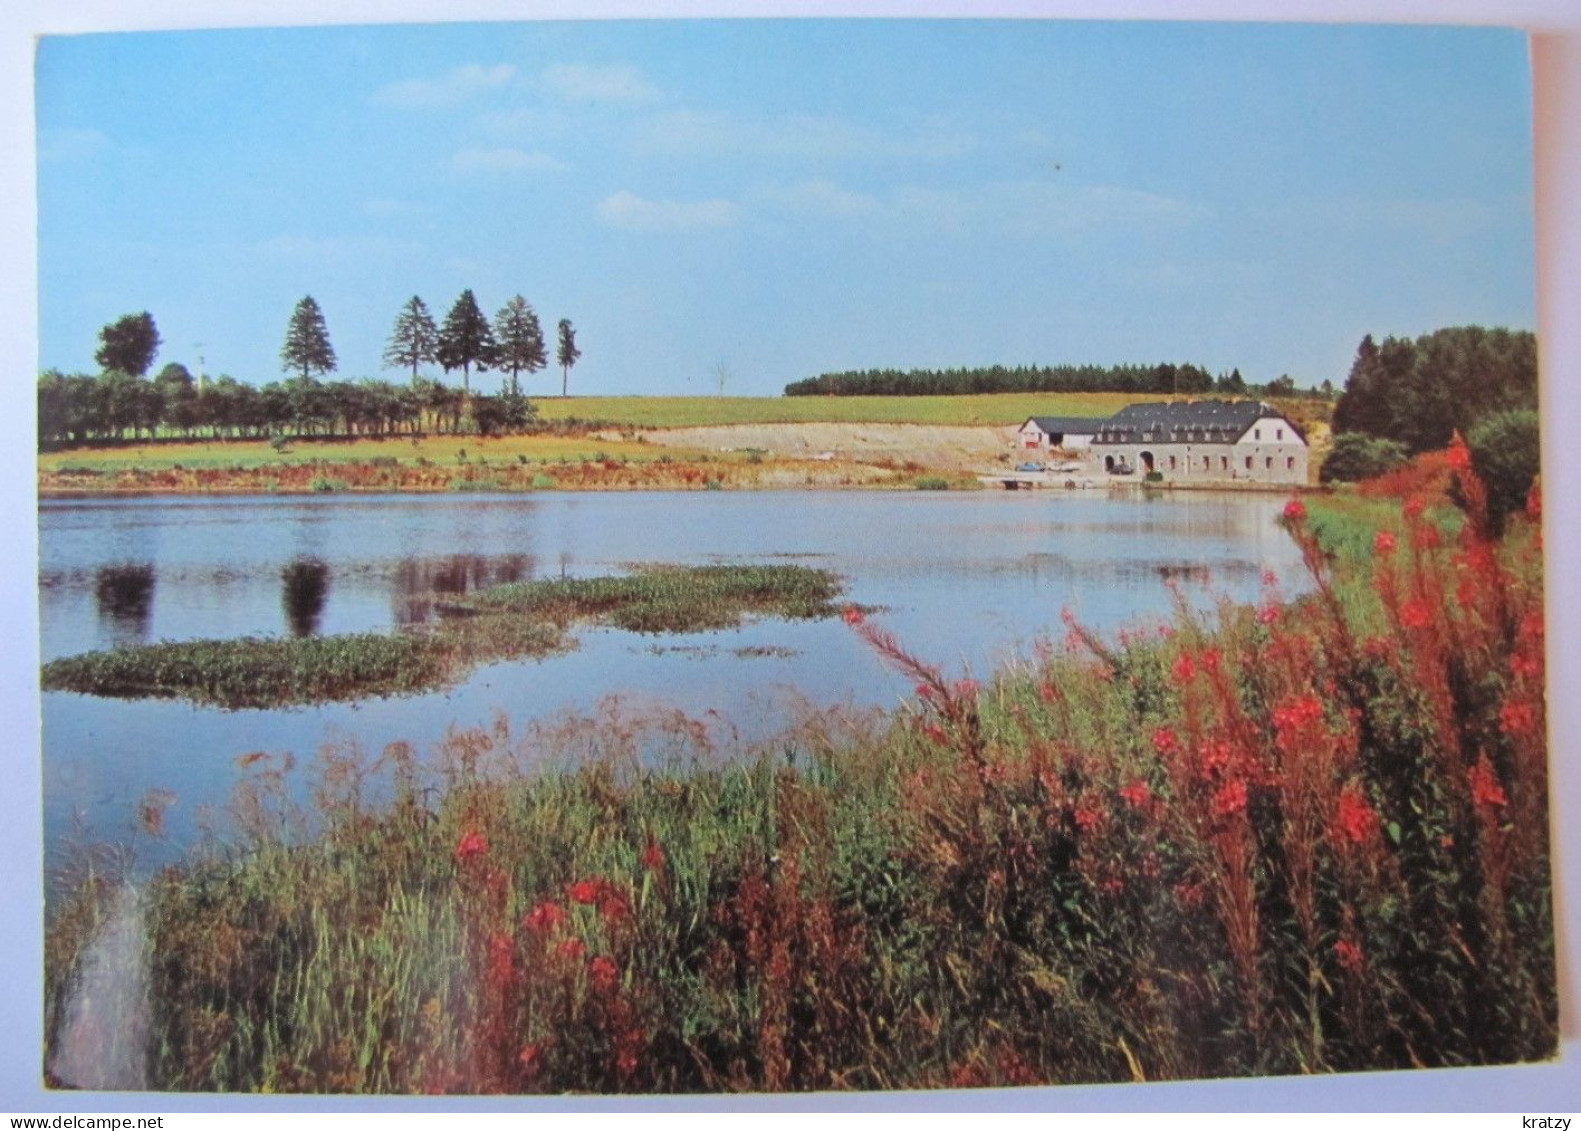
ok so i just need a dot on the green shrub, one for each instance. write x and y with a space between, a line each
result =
1505 453
1357 456
325 484
931 483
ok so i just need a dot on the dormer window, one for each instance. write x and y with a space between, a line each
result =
1279 434
1257 433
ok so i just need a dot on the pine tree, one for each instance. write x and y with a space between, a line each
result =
567 354
465 340
414 340
518 340
307 345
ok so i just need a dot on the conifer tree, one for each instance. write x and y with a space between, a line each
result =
414 340
307 345
465 340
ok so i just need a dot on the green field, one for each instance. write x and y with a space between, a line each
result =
682 412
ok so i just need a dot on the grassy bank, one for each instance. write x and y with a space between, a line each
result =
1305 836
507 622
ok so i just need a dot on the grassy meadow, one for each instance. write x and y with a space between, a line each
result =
1304 836
591 443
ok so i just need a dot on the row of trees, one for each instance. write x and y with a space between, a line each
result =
75 409
512 344
1163 379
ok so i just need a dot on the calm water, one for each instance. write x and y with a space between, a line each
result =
966 580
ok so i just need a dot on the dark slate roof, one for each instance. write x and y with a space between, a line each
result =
1184 422
1060 425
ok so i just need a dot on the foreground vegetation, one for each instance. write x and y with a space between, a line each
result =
514 621
1305 836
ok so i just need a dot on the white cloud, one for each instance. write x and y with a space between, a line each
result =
448 90
70 144
628 210
818 197
488 162
621 85
799 137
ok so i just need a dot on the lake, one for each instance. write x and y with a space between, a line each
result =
965 580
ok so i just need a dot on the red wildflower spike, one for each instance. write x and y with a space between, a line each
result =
653 856
1230 799
585 892
1136 794
1486 792
472 843
1355 820
1348 951
571 949
603 973
1416 614
1384 543
1295 511
852 615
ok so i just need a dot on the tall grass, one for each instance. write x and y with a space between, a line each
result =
1294 837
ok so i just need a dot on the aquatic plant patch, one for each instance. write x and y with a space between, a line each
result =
513 621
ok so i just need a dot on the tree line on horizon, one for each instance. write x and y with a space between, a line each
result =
123 401
1164 379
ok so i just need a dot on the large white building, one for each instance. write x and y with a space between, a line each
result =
1199 441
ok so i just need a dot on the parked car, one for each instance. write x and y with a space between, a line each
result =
1029 467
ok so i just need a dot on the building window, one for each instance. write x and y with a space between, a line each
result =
1280 434
1207 462
1224 463
1269 463
1172 463
1248 463
1257 433
1290 463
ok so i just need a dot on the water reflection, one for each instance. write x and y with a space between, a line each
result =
125 599
305 585
420 584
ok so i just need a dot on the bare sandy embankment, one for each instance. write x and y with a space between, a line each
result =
957 448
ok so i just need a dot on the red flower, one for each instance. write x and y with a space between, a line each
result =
1522 664
1429 538
1165 741
1215 757
472 844
585 892
1486 792
1414 506
1270 578
1355 820
852 615
1384 543
1136 794
1295 511
613 906
653 856
603 973
1185 668
1348 951
1518 718
936 733
1088 817
1268 614
626 1063
547 917
1416 614
530 1058
1211 660
571 949
965 689
1231 798
1459 456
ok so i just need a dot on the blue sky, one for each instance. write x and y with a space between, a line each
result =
791 197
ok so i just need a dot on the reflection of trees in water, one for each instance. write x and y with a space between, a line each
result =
421 583
125 596
306 583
